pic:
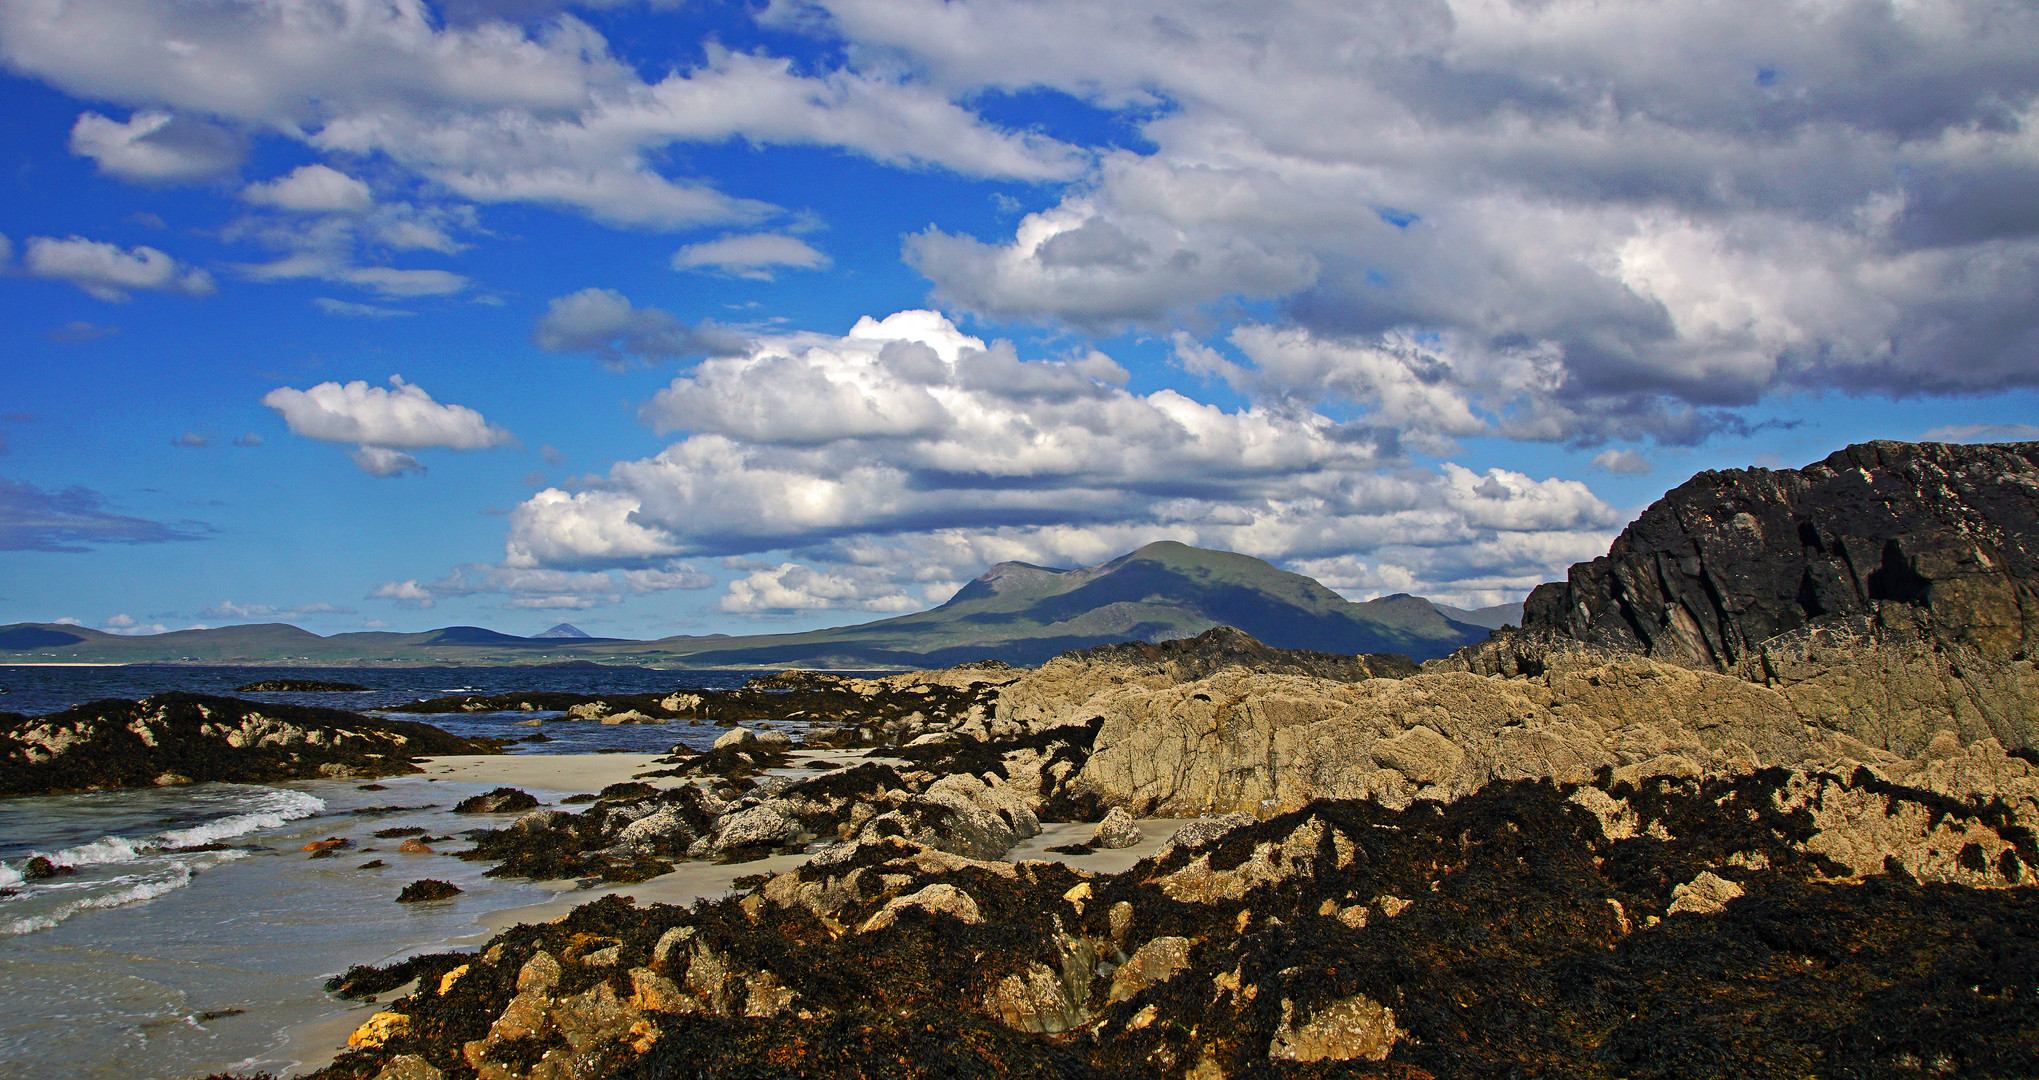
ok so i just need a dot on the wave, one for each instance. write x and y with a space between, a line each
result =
130 889
270 810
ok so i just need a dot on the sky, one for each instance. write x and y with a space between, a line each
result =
688 316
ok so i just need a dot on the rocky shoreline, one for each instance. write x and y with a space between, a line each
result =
1561 852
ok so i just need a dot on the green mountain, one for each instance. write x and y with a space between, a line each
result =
1015 612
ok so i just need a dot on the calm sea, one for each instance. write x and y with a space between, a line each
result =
194 931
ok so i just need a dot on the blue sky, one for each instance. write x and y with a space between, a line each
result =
712 317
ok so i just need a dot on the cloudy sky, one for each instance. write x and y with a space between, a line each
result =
686 316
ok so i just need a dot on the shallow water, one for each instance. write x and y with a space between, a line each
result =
124 989
195 932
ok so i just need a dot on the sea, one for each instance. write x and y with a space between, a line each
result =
194 936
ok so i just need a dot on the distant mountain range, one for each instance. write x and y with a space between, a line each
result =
1016 612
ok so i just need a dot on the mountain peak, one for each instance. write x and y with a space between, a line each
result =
564 630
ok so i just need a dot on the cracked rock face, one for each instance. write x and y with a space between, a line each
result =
1936 540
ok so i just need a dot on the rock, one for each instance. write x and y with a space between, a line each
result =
630 716
1151 964
427 889
409 1067
297 686
1117 830
1706 894
1934 540
180 738
379 1029
503 800
541 972
935 900
1035 1000
736 739
414 846
1353 1028
40 868
764 825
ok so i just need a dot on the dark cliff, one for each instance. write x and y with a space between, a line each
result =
1936 541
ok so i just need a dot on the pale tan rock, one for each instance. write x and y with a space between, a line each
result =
1036 1000
1353 1028
935 899
541 972
379 1029
1707 894
409 1067
1151 964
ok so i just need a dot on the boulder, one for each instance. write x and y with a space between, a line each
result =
1117 830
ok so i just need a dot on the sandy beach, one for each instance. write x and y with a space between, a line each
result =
552 776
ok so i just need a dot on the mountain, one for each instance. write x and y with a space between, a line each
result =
564 631
1015 612
1493 618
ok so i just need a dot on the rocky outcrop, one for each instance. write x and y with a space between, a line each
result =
185 738
1665 926
1931 541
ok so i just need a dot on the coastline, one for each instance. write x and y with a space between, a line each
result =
314 1044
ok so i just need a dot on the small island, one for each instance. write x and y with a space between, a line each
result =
298 686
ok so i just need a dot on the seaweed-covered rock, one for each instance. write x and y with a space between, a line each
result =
180 738
502 800
1670 926
427 889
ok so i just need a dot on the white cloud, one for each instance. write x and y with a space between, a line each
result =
2008 432
921 454
227 609
605 323
128 626
1623 462
156 147
312 189
407 593
790 587
753 255
1672 208
383 423
539 588
351 310
384 462
494 113
107 272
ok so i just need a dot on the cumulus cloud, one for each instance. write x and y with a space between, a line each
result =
384 423
156 147
107 272
128 626
753 255
920 454
605 323
790 587
496 112
191 440
312 189
408 593
32 519
1661 213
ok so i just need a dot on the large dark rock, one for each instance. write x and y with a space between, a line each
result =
1921 541
183 738
1225 647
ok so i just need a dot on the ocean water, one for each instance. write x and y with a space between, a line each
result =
194 932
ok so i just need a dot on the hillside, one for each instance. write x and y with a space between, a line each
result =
1014 612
